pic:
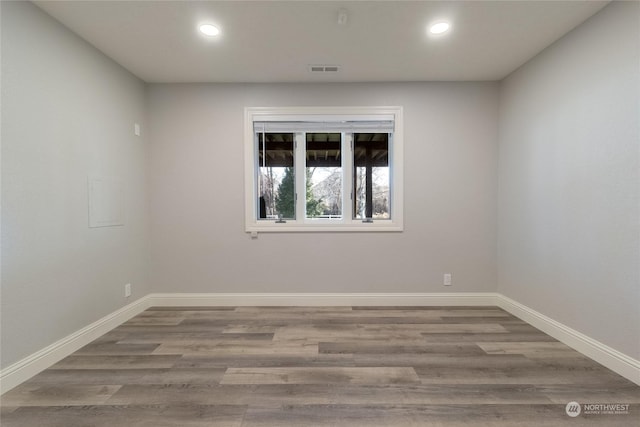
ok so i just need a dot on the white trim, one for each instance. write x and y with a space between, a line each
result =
618 362
26 368
322 299
303 227
300 189
31 365
312 113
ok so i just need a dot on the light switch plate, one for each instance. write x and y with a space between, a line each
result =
447 279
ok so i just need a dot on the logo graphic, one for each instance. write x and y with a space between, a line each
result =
605 409
573 409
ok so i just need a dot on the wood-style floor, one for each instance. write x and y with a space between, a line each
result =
321 366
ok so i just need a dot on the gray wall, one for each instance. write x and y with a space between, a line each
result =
67 113
197 194
569 233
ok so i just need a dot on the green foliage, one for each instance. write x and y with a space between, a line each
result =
315 206
286 197
286 201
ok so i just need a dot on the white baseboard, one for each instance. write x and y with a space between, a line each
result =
618 362
322 299
26 368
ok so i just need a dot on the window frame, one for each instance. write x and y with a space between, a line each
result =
301 223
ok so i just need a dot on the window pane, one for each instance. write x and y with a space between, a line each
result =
276 176
324 175
371 176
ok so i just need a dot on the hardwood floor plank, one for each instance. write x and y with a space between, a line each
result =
527 348
117 348
237 347
5 410
186 312
154 321
320 366
58 395
250 329
593 393
324 375
178 337
505 336
377 331
425 307
437 362
129 376
128 416
419 416
264 360
175 329
392 348
410 394
277 395
117 362
514 375
298 309
192 308
181 394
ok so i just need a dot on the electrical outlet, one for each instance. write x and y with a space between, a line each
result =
127 290
447 279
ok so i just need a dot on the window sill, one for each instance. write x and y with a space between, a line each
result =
356 227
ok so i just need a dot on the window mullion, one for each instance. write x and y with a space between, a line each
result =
347 177
300 168
392 189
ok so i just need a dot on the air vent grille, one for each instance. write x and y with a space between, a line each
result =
324 68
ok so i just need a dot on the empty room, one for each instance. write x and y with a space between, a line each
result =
320 213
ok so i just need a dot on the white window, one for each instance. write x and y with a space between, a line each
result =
323 169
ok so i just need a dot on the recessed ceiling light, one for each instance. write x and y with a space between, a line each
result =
439 28
209 30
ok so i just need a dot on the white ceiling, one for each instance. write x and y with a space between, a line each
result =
276 41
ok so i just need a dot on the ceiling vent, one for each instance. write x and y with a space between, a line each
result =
324 68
